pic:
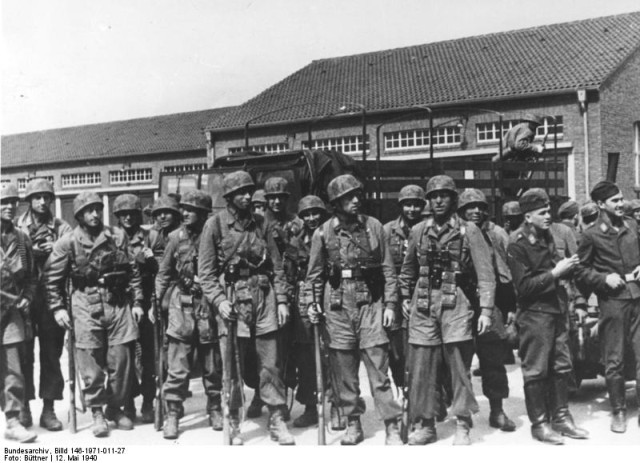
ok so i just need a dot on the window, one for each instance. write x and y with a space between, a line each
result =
184 168
417 138
84 179
269 148
22 184
126 176
5 181
489 132
346 145
547 127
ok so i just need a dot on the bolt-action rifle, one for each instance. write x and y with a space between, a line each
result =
319 378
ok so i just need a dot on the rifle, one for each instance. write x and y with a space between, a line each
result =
405 391
71 343
158 336
319 380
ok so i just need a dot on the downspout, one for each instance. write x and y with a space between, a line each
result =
582 99
636 148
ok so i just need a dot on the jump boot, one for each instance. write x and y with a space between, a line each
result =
147 413
48 418
498 418
424 432
170 427
100 427
119 417
535 394
393 432
617 397
255 407
14 431
308 418
463 426
214 410
354 434
562 421
26 419
278 428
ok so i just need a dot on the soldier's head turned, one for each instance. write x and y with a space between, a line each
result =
39 194
196 206
589 213
634 205
9 198
443 196
87 209
238 187
512 216
609 199
128 209
276 193
473 206
568 211
258 202
346 194
536 207
412 201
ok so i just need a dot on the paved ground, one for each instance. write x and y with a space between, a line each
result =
589 407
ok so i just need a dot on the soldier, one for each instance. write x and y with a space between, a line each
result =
258 202
166 215
610 266
543 321
128 209
237 250
568 214
18 284
635 209
312 212
44 230
351 266
283 226
491 348
412 202
588 215
104 283
512 216
518 141
442 260
191 324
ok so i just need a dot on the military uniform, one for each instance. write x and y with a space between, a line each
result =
605 250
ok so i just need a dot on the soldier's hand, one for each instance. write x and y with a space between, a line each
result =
62 319
582 315
283 314
46 246
147 253
138 313
614 281
388 317
565 266
636 273
23 304
226 311
406 309
511 317
315 313
484 323
152 317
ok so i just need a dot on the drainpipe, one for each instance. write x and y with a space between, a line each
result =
636 137
582 100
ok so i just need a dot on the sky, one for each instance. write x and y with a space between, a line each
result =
75 62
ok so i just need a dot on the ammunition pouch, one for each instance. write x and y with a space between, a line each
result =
335 298
423 288
243 301
449 290
114 281
237 270
94 302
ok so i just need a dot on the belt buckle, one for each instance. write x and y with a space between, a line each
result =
347 273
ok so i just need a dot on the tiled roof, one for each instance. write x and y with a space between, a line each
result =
539 60
134 137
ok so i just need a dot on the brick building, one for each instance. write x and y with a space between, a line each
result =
584 75
111 158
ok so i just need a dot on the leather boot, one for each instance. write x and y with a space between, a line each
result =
16 432
354 434
48 418
617 397
147 412
424 432
130 410
338 421
255 407
498 418
100 427
308 418
392 432
562 421
535 394
278 428
26 419
170 428
463 425
234 434
121 420
215 413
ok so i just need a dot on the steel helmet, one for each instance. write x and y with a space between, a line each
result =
236 181
533 118
84 199
126 202
9 191
310 202
342 185
471 196
635 204
441 183
39 185
165 202
258 197
511 208
589 210
276 186
411 192
197 199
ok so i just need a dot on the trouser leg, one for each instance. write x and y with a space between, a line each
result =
376 361
91 364
177 383
147 360
458 357
272 388
424 386
306 363
211 379
12 393
120 364
397 355
51 339
346 387
612 329
28 359
491 355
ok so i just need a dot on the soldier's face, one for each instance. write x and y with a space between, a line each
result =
165 219
258 208
636 215
475 213
190 216
241 199
8 209
540 218
40 203
411 209
613 205
277 203
91 216
129 219
441 203
311 218
351 203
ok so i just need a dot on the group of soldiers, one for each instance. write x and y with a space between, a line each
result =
244 290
